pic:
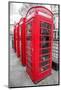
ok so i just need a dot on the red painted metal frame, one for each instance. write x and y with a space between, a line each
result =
17 40
23 44
34 71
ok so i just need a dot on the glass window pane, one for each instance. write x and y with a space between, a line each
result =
44 31
45 51
45 38
45 25
46 57
44 63
44 45
44 68
29 37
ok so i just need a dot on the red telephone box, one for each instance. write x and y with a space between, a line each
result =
39 38
19 40
20 45
23 38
